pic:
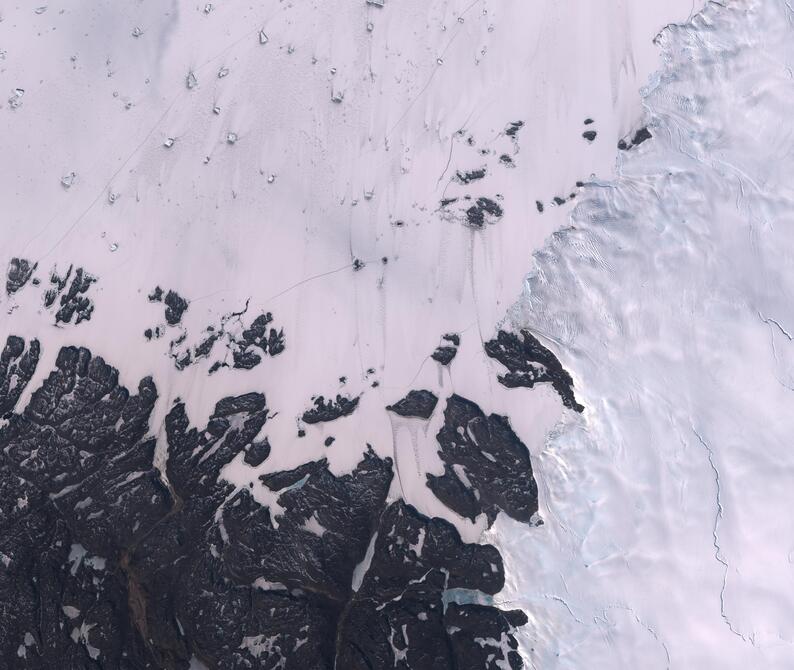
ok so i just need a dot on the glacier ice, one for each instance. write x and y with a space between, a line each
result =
668 297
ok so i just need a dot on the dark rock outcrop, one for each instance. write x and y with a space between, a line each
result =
257 452
244 345
256 336
446 352
477 632
175 304
73 301
639 137
416 403
109 564
16 369
58 283
247 347
513 127
175 307
398 618
529 363
156 295
466 177
483 211
329 410
20 270
77 486
487 468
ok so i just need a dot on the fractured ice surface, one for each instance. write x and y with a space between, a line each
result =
668 541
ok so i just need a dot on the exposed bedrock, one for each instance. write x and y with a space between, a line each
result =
17 365
19 272
109 564
528 363
330 410
401 616
487 468
447 351
418 404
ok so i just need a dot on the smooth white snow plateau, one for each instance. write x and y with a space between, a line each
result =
156 143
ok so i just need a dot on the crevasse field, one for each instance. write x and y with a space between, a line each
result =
352 202
668 543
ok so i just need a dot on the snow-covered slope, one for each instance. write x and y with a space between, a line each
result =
668 539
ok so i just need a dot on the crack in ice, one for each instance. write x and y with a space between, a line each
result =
648 627
718 555
566 605
770 320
